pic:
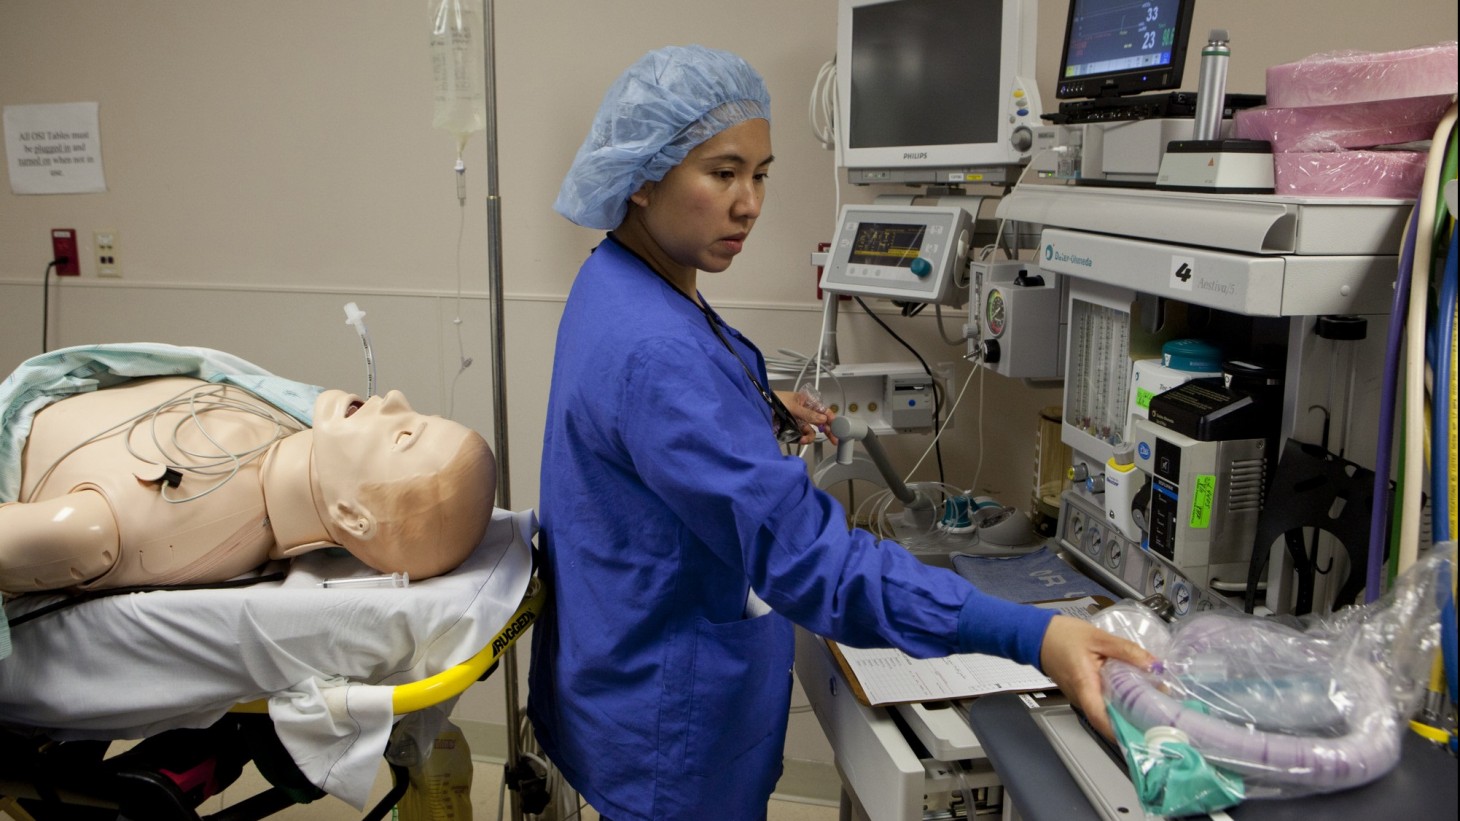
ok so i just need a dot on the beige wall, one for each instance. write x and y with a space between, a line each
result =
269 160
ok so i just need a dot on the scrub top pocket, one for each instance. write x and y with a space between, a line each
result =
742 726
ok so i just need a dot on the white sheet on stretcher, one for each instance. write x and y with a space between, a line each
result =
134 665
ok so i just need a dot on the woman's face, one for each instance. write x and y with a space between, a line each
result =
702 211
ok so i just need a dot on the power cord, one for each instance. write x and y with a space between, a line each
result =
822 107
89 595
822 112
46 301
937 394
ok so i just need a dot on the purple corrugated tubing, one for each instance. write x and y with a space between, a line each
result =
1379 520
1368 749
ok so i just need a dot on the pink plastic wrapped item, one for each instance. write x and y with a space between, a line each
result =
1339 127
1386 174
1358 77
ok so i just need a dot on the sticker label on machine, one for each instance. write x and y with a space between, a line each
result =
1183 271
1203 497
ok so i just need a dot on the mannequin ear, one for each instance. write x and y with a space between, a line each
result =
353 519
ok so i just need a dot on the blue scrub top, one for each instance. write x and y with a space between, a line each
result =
664 499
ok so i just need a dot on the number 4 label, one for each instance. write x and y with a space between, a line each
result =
1183 271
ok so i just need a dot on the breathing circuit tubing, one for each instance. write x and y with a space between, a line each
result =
1443 466
1426 227
1389 398
1414 456
1407 320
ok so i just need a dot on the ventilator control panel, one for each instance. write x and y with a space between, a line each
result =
914 253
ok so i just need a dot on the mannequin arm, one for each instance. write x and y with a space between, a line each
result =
60 542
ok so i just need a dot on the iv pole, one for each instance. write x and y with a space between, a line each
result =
499 369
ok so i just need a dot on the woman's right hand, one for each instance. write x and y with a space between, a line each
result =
1073 653
813 416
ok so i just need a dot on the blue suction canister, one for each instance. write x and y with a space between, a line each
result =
1191 355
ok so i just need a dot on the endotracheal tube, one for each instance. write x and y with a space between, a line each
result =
356 317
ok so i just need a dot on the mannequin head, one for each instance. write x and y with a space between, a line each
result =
400 490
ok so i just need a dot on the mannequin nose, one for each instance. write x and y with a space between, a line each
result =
394 401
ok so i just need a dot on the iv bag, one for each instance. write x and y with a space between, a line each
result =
458 63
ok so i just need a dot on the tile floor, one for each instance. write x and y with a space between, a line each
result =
485 795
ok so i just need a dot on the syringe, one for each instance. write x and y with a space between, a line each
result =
383 580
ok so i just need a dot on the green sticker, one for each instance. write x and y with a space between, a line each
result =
1202 497
1143 398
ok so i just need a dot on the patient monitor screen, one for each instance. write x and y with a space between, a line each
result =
887 244
1115 36
925 72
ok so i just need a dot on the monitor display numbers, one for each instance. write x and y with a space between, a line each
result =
886 244
1120 35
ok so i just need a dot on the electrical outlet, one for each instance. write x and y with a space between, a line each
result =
108 264
63 246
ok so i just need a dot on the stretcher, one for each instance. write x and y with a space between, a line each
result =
305 681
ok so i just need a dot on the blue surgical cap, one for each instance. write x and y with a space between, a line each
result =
654 114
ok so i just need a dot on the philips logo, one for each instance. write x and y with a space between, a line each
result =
914 155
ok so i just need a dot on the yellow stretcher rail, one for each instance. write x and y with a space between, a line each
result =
453 681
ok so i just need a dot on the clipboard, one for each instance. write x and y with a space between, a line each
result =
901 679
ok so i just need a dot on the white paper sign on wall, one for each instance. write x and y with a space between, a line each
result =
54 148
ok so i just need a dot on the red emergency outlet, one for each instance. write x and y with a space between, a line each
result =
63 252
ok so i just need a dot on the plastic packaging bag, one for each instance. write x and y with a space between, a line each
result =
458 63
1339 77
440 787
1342 127
1390 174
1272 710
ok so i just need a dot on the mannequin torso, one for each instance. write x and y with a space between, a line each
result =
217 535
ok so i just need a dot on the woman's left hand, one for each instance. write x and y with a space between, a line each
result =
812 418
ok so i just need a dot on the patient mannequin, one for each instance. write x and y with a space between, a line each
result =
401 491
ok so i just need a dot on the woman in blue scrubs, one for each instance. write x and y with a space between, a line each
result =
680 542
